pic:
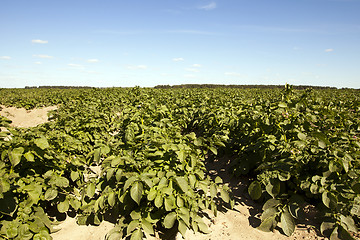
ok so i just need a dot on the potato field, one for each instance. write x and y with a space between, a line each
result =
137 157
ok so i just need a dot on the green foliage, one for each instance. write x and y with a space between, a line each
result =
140 155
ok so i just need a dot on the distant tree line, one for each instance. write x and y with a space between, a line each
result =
58 87
300 87
239 86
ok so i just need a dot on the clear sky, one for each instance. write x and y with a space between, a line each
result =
125 43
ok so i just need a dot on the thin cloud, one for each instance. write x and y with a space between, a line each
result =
75 65
136 67
194 32
329 50
263 28
192 70
178 59
94 60
5 57
38 63
209 6
42 56
39 41
196 65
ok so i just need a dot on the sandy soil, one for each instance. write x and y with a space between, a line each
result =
21 117
236 224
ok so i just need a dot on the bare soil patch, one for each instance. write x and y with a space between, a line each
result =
21 117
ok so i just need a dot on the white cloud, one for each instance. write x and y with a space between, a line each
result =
42 56
178 59
234 74
191 31
39 41
94 60
209 6
75 65
38 63
135 67
192 70
329 50
5 57
196 65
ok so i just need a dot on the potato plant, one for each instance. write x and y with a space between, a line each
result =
137 157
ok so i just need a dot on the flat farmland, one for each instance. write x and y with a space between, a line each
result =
192 163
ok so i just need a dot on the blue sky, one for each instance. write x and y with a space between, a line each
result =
151 42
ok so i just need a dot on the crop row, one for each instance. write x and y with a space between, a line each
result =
137 157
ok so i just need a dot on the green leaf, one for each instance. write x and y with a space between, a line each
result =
273 187
255 190
302 136
137 235
97 155
282 105
287 223
218 180
269 213
192 180
213 190
158 201
182 228
15 155
152 194
272 202
50 194
63 206
114 236
183 184
12 231
339 233
24 232
268 224
61 181
213 150
184 214
198 142
42 235
136 192
326 228
75 203
135 214
147 226
179 201
90 190
169 220
203 227
224 194
349 222
74 175
42 143
116 161
29 156
329 199
112 199
129 181
169 203
37 225
134 224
